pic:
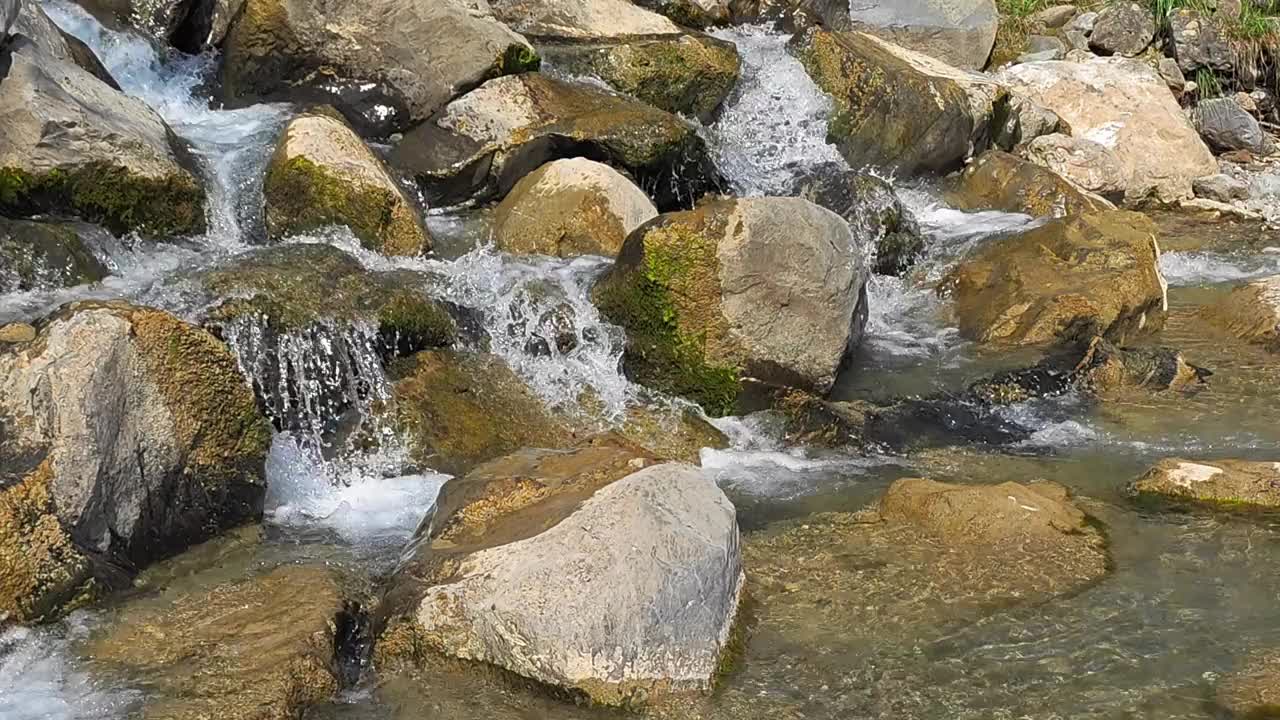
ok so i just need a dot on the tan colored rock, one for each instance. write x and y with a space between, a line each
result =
997 180
1251 312
581 18
1089 165
571 207
322 173
1253 690
17 332
1069 279
1240 484
1126 107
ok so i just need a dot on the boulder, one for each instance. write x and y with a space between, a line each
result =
1239 484
17 332
323 174
895 108
771 289
997 180
1054 16
592 570
8 14
1197 43
1082 23
873 210
698 14
481 144
686 73
1086 164
1122 28
253 648
581 19
1172 75
45 256
70 143
1226 126
1070 279
385 64
1220 187
960 34
1102 100
1251 312
570 207
125 436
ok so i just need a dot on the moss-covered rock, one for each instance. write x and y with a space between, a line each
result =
323 174
689 74
1231 484
699 14
735 288
1069 279
997 180
152 437
44 255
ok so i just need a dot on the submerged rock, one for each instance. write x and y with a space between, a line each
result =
1122 28
484 142
1240 484
323 174
1126 107
385 64
1251 312
1071 278
125 436
44 256
1253 690
767 289
1000 181
592 570
570 207
71 144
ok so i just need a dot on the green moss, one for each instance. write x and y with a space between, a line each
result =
409 322
690 75
109 195
517 59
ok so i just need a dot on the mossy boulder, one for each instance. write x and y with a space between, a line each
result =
384 64
699 14
44 256
997 180
484 142
689 74
594 570
114 162
1251 312
1073 278
323 174
771 288
570 207
1230 484
128 435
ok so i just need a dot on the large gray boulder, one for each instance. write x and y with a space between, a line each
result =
481 144
125 436
70 143
1226 126
1126 107
1197 42
384 64
592 570
32 23
1123 28
767 289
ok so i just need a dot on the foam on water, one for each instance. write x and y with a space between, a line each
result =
39 680
1206 268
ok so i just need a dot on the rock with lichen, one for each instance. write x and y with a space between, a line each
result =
1070 279
596 570
570 207
323 174
1238 484
126 435
1250 312
997 180
481 144
772 289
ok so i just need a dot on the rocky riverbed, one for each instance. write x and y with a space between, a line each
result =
607 358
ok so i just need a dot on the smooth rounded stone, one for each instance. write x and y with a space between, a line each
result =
253 648
17 332
1197 43
1123 28
927 556
1221 187
571 207
385 64
112 161
1086 164
1082 23
1070 279
323 174
690 74
1251 312
767 289
960 33
1042 43
1055 16
873 210
581 19
1172 75
592 570
997 180
484 142
113 408
1126 107
45 256
1241 484
1226 126
895 108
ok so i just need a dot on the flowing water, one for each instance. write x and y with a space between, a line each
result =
1189 595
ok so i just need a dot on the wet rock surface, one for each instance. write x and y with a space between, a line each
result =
42 255
999 180
1229 484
